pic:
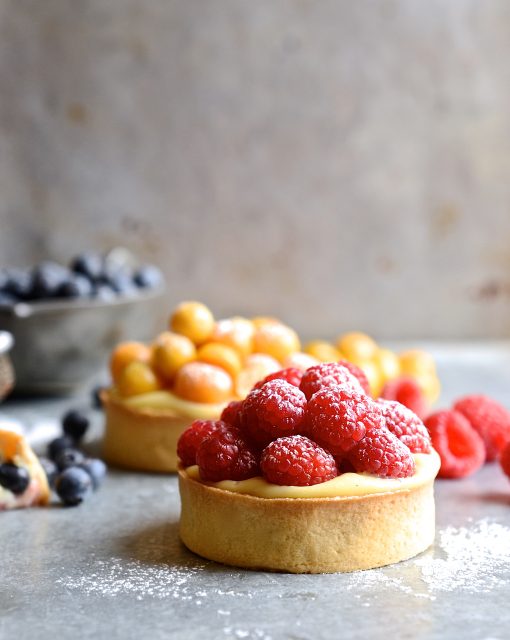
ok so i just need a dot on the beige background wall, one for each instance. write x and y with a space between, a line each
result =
340 164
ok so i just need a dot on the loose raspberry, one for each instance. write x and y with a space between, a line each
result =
275 410
337 418
292 375
406 425
226 455
192 438
327 374
408 392
297 461
490 419
504 459
358 373
460 447
230 413
382 454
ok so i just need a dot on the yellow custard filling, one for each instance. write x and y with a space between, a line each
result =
347 484
166 401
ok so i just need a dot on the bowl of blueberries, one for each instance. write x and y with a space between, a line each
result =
64 320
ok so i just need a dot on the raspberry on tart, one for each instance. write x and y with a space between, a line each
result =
406 425
292 375
328 374
192 438
226 455
383 454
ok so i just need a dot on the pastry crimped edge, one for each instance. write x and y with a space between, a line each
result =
140 439
14 448
306 535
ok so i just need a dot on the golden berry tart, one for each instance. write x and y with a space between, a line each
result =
16 452
308 474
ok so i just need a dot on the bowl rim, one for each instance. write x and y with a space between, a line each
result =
36 307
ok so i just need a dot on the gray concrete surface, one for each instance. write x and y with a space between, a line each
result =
341 164
114 567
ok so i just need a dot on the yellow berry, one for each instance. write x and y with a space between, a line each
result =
202 382
277 340
388 363
137 378
300 360
374 376
430 385
235 332
256 367
323 351
417 362
170 352
357 346
193 320
260 321
221 356
124 354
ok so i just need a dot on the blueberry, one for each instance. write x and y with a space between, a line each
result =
76 286
13 478
6 300
69 458
50 469
88 264
47 278
73 485
75 424
58 445
96 396
96 469
19 284
148 277
104 293
122 283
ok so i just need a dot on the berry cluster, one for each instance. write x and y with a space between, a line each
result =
70 473
89 275
305 429
476 430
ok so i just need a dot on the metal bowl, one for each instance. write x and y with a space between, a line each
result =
6 369
59 346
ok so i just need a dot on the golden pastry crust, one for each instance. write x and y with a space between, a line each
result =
14 448
306 535
141 439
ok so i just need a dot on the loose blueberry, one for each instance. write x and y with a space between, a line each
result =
76 286
19 284
75 424
69 458
96 469
148 277
50 469
73 485
122 283
89 264
96 396
47 278
59 444
13 478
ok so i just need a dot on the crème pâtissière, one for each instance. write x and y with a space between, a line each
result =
353 522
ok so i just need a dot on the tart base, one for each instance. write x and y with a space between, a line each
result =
305 535
142 440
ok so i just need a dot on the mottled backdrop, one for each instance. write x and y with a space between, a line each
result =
340 164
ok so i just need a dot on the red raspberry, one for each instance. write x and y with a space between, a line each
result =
226 455
192 438
297 461
292 375
407 392
406 425
327 374
337 418
230 413
490 419
275 410
358 373
460 447
504 459
382 454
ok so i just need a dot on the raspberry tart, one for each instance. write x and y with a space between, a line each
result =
23 482
190 372
315 478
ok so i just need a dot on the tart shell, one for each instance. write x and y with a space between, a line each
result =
305 535
142 440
